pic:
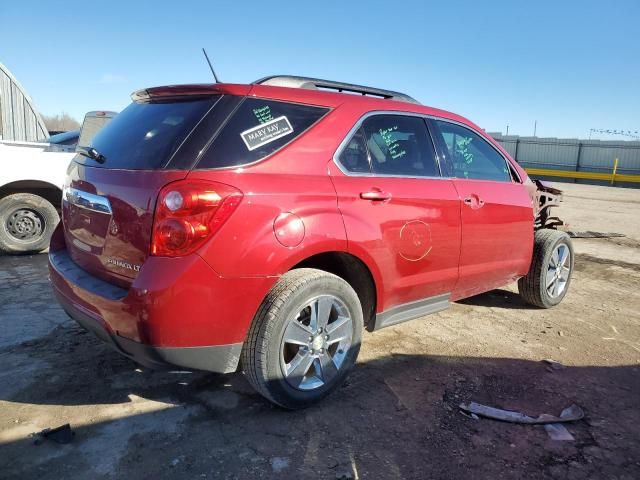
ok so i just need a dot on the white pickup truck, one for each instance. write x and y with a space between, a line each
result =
31 180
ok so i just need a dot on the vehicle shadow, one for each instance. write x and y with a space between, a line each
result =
498 298
395 417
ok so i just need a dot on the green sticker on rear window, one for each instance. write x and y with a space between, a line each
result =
263 114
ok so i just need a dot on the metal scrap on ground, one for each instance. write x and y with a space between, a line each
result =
569 414
557 431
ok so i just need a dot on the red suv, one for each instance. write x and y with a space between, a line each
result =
265 226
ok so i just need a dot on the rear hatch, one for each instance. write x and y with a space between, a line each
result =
112 186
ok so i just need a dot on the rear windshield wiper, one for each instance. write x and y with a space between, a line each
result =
91 153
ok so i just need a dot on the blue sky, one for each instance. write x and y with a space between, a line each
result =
570 65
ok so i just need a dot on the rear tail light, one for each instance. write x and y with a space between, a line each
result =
188 212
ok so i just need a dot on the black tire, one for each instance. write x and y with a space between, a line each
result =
533 287
261 355
27 222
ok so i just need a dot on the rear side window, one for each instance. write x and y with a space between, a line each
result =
471 156
257 129
146 135
400 145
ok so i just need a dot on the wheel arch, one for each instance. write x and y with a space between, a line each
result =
50 192
351 269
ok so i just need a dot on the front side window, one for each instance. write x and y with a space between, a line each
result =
257 129
471 156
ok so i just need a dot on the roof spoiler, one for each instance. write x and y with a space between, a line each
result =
175 91
319 84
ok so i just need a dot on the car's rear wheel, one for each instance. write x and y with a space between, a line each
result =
549 276
27 222
304 339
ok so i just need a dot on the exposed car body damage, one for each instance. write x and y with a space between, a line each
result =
546 196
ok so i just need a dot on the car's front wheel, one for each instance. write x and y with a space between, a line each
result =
27 222
549 275
304 339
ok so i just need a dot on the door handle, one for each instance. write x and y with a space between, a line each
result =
375 195
474 201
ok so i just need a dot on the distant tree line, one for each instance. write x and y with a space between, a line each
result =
62 122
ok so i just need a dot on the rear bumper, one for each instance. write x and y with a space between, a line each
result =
215 358
177 313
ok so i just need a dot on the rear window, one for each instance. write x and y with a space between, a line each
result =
257 129
146 135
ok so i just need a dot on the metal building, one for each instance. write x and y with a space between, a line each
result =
19 119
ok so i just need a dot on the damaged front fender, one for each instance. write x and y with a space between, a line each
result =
546 197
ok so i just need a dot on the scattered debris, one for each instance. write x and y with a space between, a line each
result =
278 464
62 434
470 415
590 234
569 414
557 431
553 365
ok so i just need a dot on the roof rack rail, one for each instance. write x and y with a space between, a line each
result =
319 84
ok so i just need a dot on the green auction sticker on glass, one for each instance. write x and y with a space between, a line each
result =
266 132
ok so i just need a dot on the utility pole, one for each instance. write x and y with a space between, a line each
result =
535 127
507 129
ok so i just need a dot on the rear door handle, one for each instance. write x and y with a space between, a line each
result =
474 201
375 195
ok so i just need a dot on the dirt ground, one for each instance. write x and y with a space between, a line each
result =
396 417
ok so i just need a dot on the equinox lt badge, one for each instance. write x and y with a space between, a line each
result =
123 264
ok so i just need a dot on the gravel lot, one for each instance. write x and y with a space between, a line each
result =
397 415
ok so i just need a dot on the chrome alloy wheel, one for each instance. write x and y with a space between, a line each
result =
316 342
559 271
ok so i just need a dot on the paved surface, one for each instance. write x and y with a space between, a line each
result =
397 415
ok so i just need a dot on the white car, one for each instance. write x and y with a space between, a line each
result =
31 180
